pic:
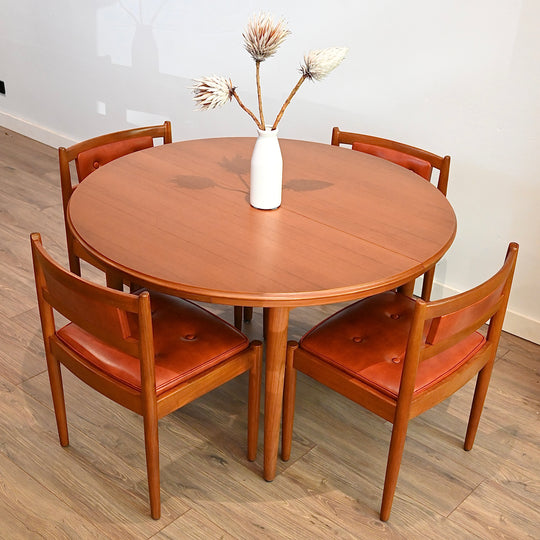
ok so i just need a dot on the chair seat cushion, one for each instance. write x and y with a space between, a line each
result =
368 340
417 165
187 340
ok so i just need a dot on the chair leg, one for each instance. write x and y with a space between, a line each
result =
151 445
427 284
480 391
238 317
248 313
289 395
74 263
57 391
114 281
395 453
254 401
265 321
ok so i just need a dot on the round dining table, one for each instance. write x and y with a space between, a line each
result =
177 218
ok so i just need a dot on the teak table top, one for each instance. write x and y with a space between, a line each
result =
177 218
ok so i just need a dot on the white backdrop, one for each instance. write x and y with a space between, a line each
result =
459 78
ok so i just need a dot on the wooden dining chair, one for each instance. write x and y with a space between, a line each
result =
415 159
149 352
86 157
399 357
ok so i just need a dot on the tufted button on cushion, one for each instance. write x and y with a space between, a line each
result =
187 340
90 160
417 165
380 362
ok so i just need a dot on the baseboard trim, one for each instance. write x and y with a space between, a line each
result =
34 131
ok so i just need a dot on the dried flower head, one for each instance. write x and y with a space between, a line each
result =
319 63
212 92
263 36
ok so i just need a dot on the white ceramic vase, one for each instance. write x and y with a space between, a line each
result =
266 171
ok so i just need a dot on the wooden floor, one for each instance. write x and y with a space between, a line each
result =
331 487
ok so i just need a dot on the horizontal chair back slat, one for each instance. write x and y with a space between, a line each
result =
109 315
452 319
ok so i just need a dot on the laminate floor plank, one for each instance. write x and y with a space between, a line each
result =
495 512
92 479
21 352
26 154
26 507
354 502
192 526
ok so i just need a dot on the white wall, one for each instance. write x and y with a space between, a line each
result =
459 78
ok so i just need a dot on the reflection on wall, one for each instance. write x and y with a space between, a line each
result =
128 59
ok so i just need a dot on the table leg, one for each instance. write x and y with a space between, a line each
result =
407 289
276 347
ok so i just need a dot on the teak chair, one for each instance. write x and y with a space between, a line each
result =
149 352
415 159
398 357
88 156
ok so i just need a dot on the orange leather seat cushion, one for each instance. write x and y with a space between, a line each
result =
90 160
417 165
187 340
368 340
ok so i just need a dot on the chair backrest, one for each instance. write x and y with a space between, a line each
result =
118 319
92 153
441 324
417 160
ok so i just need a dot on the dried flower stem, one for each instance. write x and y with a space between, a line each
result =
235 95
259 92
288 100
